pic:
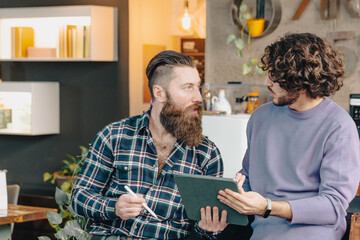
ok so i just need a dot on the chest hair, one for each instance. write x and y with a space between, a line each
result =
163 151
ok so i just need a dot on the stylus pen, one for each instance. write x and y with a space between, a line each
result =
144 204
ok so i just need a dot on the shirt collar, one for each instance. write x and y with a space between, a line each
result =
143 122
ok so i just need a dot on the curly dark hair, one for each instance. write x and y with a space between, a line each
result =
304 61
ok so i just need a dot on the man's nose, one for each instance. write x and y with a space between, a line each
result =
197 97
268 82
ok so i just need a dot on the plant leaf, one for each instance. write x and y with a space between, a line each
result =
71 227
61 197
246 69
84 151
71 210
47 176
239 52
259 70
247 16
253 61
231 38
83 235
44 238
66 186
54 218
243 7
239 43
61 235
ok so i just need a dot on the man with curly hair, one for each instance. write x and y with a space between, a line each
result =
301 168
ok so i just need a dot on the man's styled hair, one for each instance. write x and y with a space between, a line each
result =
304 61
160 69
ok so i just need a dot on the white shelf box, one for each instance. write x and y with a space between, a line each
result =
46 22
34 108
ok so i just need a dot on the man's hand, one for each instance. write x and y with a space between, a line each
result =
212 224
128 206
248 203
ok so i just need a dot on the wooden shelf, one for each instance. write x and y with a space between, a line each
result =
46 22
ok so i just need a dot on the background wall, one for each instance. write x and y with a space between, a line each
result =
223 65
92 94
150 23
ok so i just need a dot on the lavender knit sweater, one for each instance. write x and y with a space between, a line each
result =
310 159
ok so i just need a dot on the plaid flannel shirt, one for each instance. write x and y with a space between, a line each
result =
123 153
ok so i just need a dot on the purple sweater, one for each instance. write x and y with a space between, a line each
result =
310 159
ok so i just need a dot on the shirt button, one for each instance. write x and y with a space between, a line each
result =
135 227
125 168
154 165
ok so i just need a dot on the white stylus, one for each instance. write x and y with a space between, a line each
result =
144 204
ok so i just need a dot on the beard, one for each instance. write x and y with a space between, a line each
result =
287 99
183 124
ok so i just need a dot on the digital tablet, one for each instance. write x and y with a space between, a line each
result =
199 191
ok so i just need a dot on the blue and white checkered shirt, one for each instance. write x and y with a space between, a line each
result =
123 153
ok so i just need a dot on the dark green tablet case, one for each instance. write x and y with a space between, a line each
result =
199 191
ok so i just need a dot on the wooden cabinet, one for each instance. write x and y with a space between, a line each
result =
29 108
195 48
47 22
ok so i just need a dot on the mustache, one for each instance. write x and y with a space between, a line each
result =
195 107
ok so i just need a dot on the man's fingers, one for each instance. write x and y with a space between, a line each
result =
208 215
132 199
223 217
230 201
202 212
237 177
215 214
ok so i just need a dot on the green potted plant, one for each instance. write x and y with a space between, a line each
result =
64 176
67 224
250 66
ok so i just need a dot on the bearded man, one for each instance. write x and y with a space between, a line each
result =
143 152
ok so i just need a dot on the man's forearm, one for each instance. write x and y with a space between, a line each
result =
281 209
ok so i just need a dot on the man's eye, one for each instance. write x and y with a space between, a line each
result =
188 87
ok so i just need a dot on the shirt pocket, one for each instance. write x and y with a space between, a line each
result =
126 171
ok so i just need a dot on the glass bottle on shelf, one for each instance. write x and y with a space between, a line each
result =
238 107
253 102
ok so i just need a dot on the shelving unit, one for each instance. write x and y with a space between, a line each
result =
34 108
47 21
195 48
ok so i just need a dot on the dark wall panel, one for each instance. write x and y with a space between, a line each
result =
92 94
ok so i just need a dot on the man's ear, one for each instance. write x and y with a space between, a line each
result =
159 93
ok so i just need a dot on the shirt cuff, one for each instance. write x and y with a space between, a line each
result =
205 234
110 209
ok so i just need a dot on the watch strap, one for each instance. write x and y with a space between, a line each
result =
268 208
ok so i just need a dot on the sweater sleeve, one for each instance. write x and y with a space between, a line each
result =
339 174
245 163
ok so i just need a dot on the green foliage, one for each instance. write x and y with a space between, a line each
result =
240 44
71 168
68 225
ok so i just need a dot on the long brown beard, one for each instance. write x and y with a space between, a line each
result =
182 123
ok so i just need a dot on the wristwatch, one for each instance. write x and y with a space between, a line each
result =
268 208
